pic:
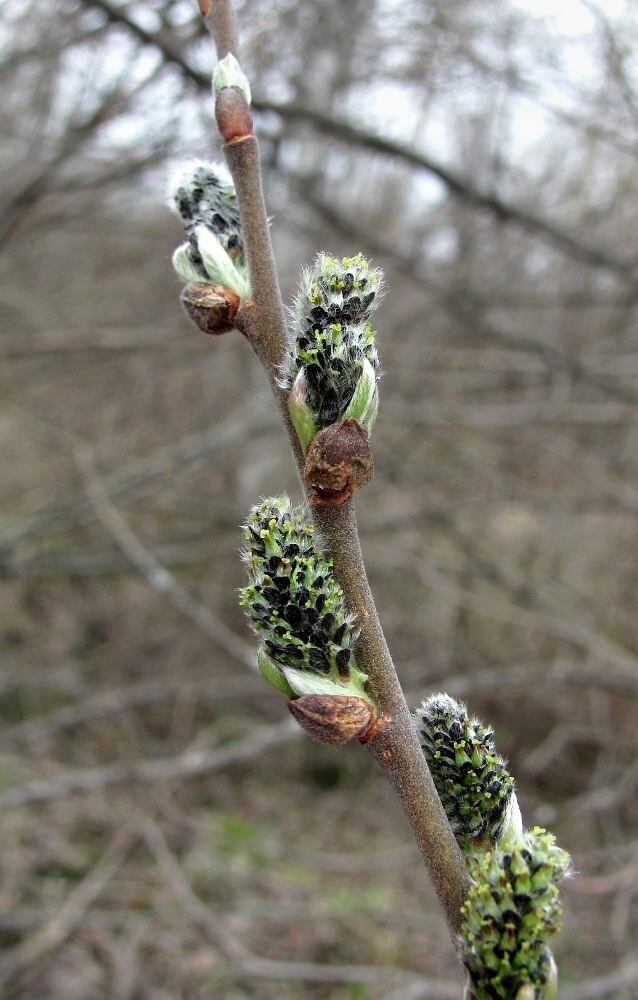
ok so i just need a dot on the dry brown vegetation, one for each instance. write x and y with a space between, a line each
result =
166 831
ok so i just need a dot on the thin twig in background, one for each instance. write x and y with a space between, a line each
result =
463 306
601 800
19 965
597 646
459 186
252 966
119 700
495 681
250 419
190 763
623 977
156 575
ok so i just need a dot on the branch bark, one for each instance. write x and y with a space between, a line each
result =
395 745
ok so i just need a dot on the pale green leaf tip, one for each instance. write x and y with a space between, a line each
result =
513 825
221 269
183 265
302 417
228 73
550 990
364 404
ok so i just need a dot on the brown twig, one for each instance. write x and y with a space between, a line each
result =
262 321
219 18
395 745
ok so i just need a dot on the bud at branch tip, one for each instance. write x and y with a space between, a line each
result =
228 73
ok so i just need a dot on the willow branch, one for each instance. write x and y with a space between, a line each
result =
262 320
219 18
395 745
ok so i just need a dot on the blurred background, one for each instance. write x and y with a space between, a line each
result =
166 832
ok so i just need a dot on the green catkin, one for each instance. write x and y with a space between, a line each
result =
508 917
293 600
475 788
335 359
204 197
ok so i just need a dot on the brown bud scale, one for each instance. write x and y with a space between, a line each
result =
376 724
338 462
211 308
232 115
333 718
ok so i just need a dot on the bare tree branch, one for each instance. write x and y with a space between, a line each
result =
254 967
191 763
248 419
19 965
157 576
462 305
457 185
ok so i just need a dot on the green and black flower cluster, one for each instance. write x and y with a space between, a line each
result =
295 605
334 369
472 780
204 197
512 907
509 914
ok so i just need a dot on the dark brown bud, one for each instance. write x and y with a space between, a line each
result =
338 462
232 114
333 718
212 308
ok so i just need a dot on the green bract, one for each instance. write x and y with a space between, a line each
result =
295 605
